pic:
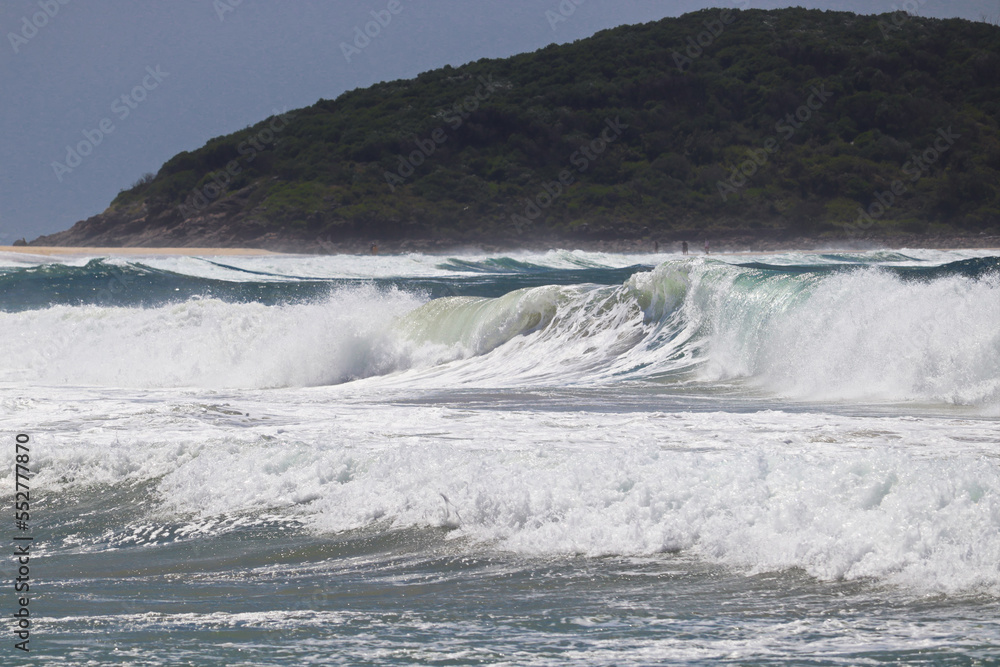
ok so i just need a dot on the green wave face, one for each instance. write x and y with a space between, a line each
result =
479 324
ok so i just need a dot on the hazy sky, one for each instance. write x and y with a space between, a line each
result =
190 70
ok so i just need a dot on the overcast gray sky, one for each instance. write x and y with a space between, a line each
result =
194 69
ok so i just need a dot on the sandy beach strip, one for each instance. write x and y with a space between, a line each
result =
665 249
133 252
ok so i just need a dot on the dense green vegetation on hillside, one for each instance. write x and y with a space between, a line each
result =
790 119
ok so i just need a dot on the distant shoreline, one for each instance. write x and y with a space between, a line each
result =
131 252
721 244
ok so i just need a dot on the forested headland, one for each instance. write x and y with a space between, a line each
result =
772 124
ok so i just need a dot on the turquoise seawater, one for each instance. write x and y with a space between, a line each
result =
532 459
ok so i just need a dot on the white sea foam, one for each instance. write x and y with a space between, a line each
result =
863 335
209 343
910 501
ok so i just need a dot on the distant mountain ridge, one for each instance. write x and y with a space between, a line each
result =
761 123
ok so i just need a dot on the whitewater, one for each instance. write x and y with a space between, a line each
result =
521 458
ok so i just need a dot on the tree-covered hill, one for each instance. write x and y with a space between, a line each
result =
788 121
